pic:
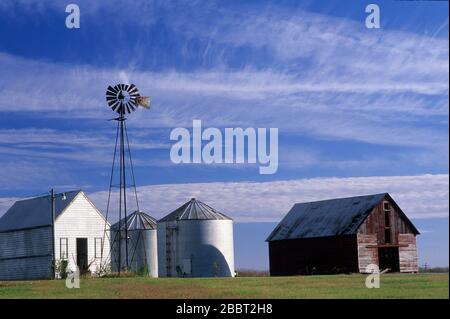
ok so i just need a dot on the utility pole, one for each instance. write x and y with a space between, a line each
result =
52 199
52 194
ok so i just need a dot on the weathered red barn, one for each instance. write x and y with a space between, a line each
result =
343 235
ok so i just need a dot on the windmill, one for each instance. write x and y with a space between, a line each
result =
123 99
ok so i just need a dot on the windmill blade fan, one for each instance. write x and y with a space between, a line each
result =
124 98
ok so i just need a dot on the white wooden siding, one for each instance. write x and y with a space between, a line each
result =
81 220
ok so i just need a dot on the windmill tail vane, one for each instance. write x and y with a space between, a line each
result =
143 101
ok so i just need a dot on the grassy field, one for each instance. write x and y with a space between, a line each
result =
337 286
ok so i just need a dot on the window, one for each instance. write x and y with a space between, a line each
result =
387 235
64 248
387 219
387 222
98 247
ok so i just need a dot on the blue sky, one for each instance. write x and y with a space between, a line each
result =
358 111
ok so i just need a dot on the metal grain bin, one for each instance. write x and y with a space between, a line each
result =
142 245
195 240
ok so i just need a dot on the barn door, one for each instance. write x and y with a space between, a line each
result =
388 258
82 254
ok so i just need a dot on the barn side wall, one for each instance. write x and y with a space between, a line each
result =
408 253
367 251
313 256
82 220
26 254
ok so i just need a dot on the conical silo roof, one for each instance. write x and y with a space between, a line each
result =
137 221
194 210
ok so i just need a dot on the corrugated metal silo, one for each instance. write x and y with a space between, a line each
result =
142 245
195 240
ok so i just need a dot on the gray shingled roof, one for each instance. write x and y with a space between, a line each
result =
194 209
34 212
333 217
136 221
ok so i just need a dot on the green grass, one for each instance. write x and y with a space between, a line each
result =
336 286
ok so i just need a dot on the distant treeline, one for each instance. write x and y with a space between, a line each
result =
251 273
264 273
433 269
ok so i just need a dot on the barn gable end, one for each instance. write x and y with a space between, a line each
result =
387 227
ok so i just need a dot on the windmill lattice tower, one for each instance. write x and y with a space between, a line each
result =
123 99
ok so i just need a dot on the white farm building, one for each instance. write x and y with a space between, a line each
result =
26 236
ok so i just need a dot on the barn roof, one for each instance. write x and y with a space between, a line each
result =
35 212
137 221
194 210
332 217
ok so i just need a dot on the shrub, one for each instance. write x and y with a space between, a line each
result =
124 274
61 268
143 271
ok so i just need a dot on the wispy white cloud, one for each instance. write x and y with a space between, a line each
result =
425 231
34 157
23 172
328 70
323 77
181 97
6 203
422 196
64 139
